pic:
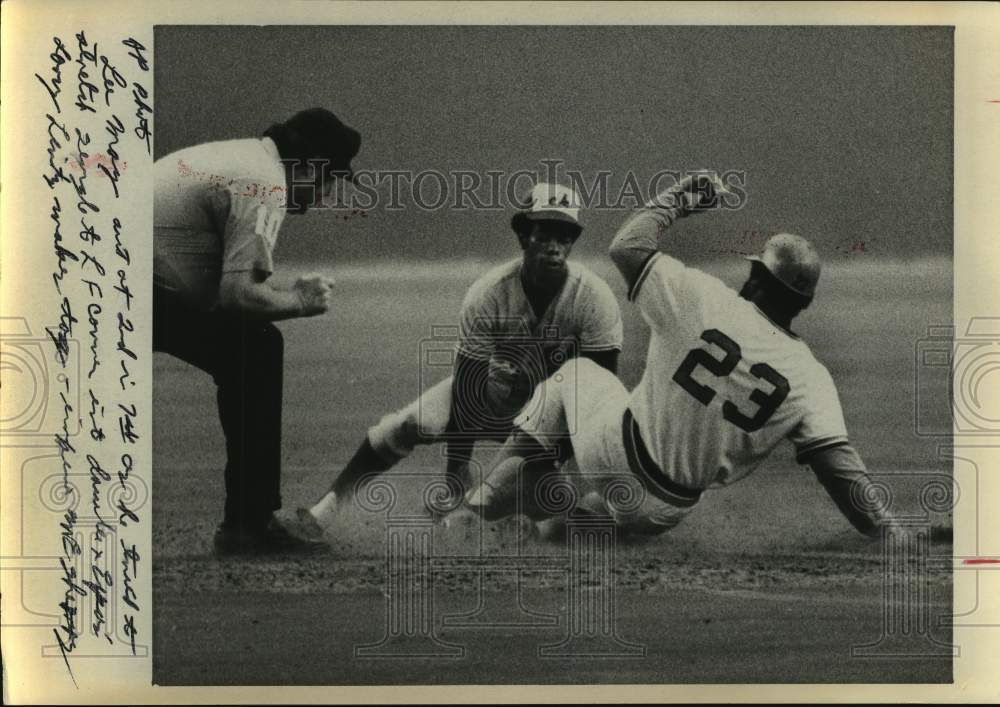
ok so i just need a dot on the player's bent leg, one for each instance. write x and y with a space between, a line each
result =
496 497
596 404
635 509
312 522
395 436
389 441
367 460
423 421
539 439
510 486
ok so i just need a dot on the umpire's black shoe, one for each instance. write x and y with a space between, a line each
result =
269 540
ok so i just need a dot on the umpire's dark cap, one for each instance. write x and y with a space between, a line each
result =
316 133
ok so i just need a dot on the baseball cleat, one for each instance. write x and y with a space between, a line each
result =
302 524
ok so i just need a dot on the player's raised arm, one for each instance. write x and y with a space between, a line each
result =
638 239
844 477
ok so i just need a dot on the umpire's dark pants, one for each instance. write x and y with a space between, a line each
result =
245 357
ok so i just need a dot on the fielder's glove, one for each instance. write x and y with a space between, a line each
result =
695 193
507 388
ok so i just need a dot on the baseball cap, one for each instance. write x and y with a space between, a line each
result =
550 202
793 261
317 133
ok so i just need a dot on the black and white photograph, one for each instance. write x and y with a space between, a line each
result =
450 352
551 354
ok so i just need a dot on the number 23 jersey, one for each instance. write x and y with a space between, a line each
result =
723 384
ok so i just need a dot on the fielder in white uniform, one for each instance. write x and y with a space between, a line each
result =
519 323
726 380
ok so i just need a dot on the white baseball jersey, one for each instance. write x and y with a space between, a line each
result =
723 383
496 314
217 208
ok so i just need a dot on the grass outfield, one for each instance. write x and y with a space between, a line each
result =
775 534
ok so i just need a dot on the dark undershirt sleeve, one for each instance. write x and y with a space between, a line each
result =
842 473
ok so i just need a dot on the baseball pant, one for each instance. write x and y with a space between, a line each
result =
586 402
245 358
425 421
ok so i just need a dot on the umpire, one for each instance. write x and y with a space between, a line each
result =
217 211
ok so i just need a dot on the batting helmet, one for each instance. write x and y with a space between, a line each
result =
550 202
793 261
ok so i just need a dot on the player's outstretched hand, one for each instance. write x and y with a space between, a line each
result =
696 193
314 294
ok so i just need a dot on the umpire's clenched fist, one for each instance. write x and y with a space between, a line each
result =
314 294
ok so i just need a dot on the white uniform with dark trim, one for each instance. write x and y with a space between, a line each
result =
584 316
712 406
723 386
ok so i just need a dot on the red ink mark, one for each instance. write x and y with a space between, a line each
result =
253 190
93 161
993 100
981 560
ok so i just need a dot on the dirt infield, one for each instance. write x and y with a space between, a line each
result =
265 639
764 582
